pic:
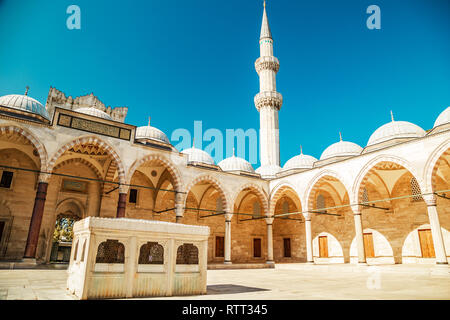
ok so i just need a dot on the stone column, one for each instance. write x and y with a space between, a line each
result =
436 232
269 222
179 207
36 220
227 239
359 235
308 232
121 205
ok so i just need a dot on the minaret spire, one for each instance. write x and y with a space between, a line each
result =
265 28
268 101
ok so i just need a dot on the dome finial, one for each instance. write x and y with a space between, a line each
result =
193 143
26 90
301 149
264 3
149 118
234 152
392 116
340 136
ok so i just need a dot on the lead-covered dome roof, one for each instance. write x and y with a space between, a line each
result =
149 132
236 164
94 112
395 130
198 156
24 103
443 118
341 149
301 161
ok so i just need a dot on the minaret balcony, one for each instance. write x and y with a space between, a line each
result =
267 63
269 99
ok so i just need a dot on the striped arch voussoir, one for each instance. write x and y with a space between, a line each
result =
260 193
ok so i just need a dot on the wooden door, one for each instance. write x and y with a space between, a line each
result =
287 247
323 247
368 245
257 248
220 247
2 226
426 243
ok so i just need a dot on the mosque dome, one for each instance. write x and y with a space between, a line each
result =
341 149
198 155
236 164
302 161
443 118
24 103
94 112
268 171
395 129
149 132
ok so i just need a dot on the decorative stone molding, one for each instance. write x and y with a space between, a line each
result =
307 216
430 199
226 203
267 63
42 152
95 141
260 193
160 160
271 99
370 166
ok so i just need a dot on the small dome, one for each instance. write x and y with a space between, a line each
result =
235 164
24 103
94 112
269 171
302 161
149 132
198 155
395 129
443 118
341 149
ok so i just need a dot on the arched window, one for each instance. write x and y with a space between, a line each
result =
320 203
75 251
415 190
83 251
110 251
151 253
365 196
256 210
187 254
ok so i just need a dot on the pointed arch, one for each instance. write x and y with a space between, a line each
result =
40 148
259 193
210 179
312 185
364 173
432 164
94 140
278 191
176 175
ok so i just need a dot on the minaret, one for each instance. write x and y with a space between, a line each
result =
268 101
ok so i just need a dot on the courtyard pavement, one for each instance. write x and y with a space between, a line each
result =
286 282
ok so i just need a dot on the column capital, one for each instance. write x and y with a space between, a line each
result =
430 199
307 216
228 217
123 188
269 221
44 177
356 209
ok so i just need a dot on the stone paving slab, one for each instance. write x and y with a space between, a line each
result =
286 282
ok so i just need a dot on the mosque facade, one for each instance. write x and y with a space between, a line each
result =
73 158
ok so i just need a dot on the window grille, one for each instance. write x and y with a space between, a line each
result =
365 196
256 209
151 253
415 190
110 251
320 204
187 254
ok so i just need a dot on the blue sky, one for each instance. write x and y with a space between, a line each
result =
181 61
